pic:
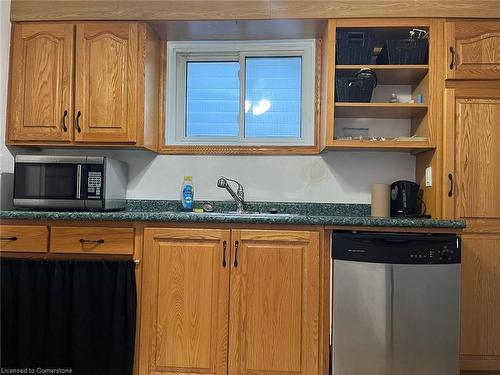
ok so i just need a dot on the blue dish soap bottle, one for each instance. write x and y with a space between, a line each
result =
187 194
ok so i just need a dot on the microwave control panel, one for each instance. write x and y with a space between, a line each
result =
94 181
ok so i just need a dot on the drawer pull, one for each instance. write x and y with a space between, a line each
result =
82 241
236 245
450 177
77 122
452 63
224 245
8 238
65 128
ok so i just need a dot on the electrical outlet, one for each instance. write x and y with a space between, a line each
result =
428 176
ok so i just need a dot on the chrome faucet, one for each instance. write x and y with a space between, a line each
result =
239 196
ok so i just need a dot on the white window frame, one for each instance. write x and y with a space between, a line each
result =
179 53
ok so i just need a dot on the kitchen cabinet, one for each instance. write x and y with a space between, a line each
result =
472 115
67 239
223 301
110 71
41 82
24 238
480 341
472 156
274 299
185 302
105 82
421 78
91 240
473 49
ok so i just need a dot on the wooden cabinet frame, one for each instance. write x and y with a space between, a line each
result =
425 121
124 112
25 10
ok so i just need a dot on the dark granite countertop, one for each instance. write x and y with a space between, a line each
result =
288 213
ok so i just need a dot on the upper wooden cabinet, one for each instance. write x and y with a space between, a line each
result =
473 50
41 81
106 82
111 74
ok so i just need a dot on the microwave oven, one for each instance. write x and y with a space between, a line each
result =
69 182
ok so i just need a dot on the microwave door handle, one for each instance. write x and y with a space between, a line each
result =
78 181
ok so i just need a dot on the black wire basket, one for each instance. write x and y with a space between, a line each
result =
404 51
357 88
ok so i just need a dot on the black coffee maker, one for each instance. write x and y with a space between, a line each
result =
405 199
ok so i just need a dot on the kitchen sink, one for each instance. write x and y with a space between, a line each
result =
249 213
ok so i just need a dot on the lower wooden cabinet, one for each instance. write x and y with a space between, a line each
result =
480 314
274 302
24 238
91 240
67 239
221 301
184 308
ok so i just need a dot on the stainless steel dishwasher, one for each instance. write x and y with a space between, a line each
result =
396 304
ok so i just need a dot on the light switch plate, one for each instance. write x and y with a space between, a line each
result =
428 176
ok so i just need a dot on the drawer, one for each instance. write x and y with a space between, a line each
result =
92 240
24 238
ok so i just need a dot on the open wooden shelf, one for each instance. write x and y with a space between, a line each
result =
379 110
367 145
391 74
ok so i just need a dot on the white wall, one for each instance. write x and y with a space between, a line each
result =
330 177
5 156
342 177
6 161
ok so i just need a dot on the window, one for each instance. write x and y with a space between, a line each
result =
241 93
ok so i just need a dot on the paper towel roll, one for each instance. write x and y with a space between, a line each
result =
381 203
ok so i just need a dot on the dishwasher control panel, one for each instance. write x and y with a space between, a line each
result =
437 254
396 248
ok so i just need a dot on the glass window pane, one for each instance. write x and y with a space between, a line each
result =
273 96
212 99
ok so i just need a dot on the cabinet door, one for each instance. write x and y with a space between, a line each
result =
480 327
41 81
274 302
184 310
473 50
106 82
473 153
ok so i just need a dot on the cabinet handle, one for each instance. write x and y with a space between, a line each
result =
82 241
450 177
77 123
236 244
224 245
452 63
64 121
14 238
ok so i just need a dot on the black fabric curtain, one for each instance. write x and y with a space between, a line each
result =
68 314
